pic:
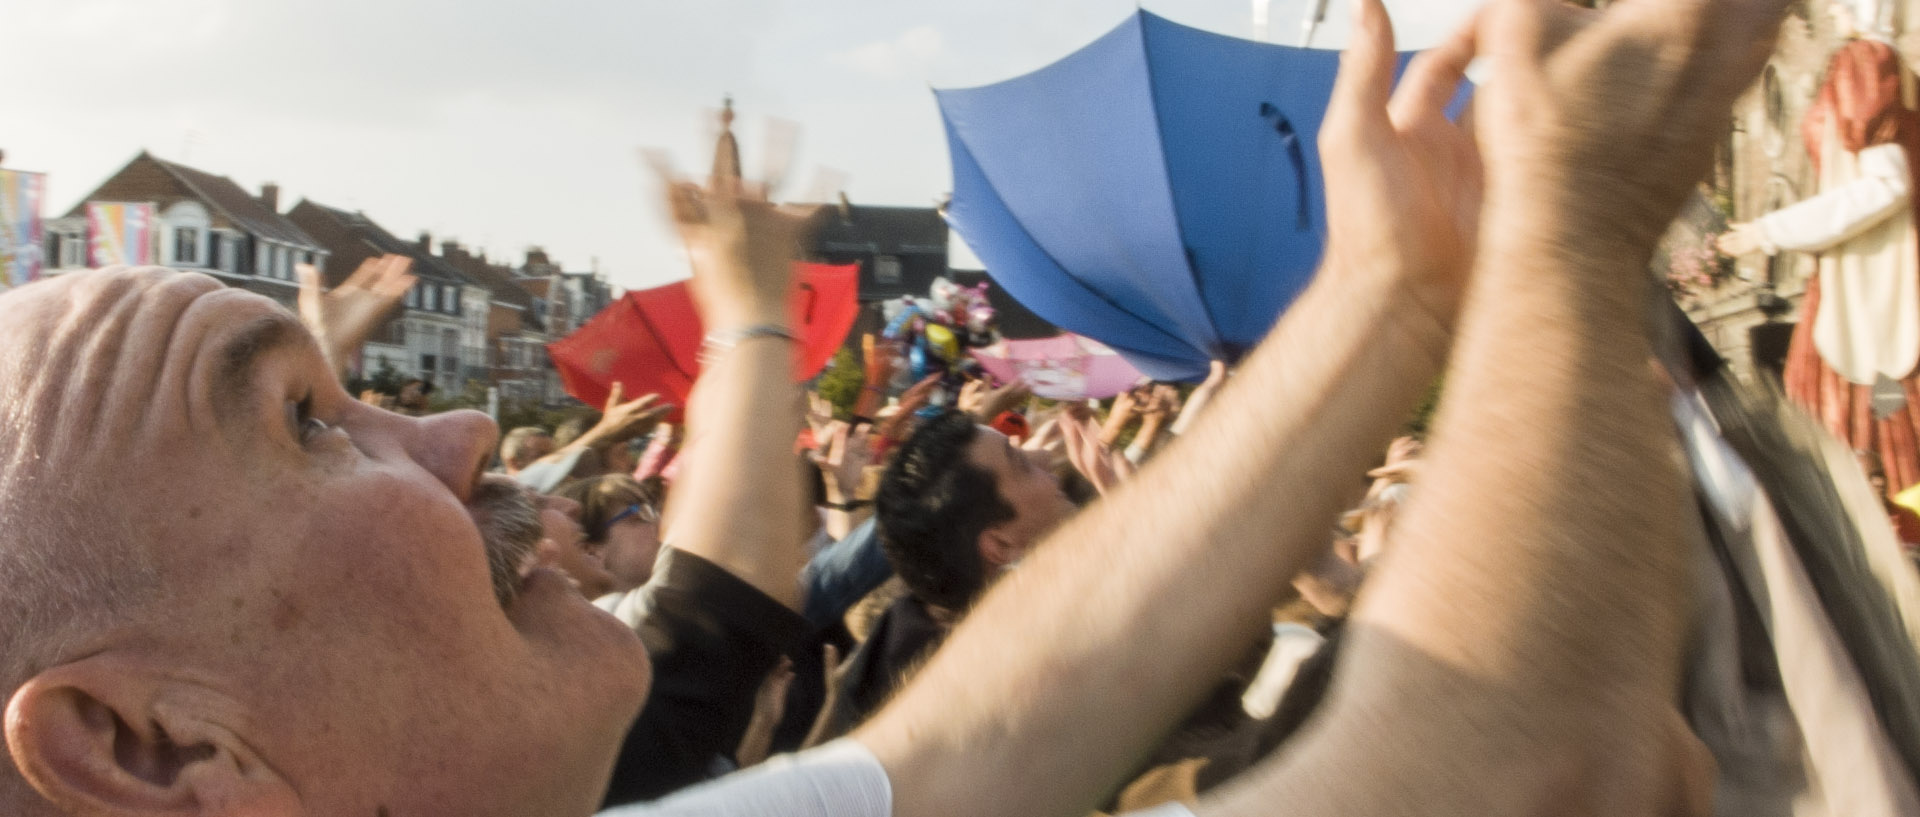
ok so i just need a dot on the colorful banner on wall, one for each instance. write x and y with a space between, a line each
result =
21 239
120 233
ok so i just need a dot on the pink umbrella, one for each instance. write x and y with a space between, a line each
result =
1066 367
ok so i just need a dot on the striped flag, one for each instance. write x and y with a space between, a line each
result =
20 228
120 233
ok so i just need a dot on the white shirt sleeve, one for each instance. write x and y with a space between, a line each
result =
1839 214
839 779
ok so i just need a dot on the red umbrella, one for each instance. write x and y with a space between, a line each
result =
649 341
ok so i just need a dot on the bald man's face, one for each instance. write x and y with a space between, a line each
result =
325 575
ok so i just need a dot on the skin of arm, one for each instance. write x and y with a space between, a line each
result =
739 501
1518 650
1197 401
1132 610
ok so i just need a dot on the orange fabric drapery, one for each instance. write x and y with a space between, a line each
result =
1863 97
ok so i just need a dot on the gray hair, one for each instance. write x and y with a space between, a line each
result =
513 445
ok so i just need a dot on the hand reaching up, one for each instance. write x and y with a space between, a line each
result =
986 402
623 421
742 247
1092 457
1409 189
344 317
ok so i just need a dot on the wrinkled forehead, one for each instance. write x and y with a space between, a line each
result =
119 362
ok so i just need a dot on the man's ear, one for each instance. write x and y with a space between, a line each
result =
112 735
999 547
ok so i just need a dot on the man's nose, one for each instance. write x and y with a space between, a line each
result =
455 446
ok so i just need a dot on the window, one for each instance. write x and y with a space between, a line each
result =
214 255
413 298
886 269
73 251
450 348
283 263
186 245
262 258
1774 138
453 300
306 258
433 297
426 364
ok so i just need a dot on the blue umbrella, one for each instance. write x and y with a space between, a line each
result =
1158 190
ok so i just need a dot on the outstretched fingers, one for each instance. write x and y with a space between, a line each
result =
1365 82
1434 77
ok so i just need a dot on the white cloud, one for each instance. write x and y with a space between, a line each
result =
908 55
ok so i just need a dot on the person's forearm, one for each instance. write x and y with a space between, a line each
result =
1111 651
1117 421
739 500
1144 439
1538 579
1530 563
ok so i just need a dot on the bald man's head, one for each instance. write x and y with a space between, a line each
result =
228 582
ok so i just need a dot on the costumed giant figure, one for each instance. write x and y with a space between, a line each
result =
1860 333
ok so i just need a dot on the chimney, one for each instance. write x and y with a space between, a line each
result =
536 255
270 196
426 242
449 248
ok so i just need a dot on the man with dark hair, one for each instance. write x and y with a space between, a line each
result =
956 508
958 505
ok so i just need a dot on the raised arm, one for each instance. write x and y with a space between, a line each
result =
1130 612
738 502
1518 650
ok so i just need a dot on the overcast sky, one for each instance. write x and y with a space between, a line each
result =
508 123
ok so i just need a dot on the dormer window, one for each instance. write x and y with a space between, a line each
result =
186 246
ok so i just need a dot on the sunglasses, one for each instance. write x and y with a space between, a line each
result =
644 513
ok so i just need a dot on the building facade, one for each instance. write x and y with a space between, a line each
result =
207 223
430 336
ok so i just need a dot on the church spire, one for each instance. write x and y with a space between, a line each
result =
726 155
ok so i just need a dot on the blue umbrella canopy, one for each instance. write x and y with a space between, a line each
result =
1158 190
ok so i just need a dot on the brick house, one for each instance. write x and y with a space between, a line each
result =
439 334
515 329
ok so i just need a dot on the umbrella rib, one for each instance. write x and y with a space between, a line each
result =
647 322
1166 168
1031 239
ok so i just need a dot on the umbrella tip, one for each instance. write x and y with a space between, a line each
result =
726 110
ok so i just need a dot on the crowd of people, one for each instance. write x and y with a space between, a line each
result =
234 588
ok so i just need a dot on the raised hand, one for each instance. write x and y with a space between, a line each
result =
986 402
844 454
344 317
1663 74
623 420
895 426
1093 457
1404 185
880 365
742 247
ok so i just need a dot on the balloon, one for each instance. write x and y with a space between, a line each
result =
941 339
